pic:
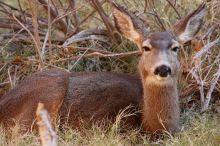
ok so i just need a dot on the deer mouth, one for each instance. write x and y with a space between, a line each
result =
162 78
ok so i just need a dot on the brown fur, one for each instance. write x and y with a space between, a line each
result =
48 87
86 97
161 101
91 97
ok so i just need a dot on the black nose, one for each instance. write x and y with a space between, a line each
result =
162 71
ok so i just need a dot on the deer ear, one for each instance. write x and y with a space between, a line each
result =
186 28
126 26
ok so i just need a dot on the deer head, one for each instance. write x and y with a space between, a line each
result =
158 63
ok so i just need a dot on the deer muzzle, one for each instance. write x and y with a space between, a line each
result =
162 72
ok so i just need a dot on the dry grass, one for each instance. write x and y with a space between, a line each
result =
197 130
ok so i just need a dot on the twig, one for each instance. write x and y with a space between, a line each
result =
4 83
36 27
1 69
178 14
64 15
148 4
210 31
49 31
85 35
97 54
97 5
35 42
81 56
48 35
157 17
201 85
84 49
11 7
48 65
9 76
75 16
90 14
12 36
209 94
84 20
206 48
54 15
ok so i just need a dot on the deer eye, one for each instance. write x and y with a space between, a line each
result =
175 49
146 48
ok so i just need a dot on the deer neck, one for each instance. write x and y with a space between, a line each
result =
160 106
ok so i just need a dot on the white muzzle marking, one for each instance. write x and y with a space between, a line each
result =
159 78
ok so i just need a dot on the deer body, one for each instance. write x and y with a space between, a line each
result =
74 97
94 96
90 97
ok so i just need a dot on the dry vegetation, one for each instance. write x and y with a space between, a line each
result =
80 36
198 130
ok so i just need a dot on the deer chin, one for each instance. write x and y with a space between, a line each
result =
159 78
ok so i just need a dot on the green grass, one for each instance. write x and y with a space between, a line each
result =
197 130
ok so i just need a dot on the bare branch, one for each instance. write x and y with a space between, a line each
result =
174 8
54 15
35 26
97 5
91 34
35 42
97 54
206 48
75 16
210 91
84 49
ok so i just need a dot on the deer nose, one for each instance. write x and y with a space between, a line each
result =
163 71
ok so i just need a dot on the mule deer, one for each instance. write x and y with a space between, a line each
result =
93 96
